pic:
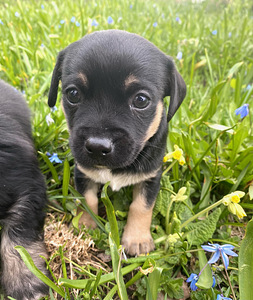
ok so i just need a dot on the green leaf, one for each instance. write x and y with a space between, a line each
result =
51 167
116 265
234 69
205 279
220 127
81 283
163 198
246 264
201 231
110 215
112 292
153 282
237 140
66 177
75 220
31 266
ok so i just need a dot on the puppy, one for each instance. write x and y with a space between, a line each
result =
113 85
22 199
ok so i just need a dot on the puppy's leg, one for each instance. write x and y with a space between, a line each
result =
22 227
89 190
137 238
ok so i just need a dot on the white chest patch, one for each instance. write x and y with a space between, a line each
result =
116 181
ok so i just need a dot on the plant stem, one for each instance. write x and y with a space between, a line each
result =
232 290
201 213
167 218
169 167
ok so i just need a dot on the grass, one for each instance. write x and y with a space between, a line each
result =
215 38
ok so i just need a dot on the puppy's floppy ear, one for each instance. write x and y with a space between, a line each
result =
52 97
176 89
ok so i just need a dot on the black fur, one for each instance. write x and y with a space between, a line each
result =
106 72
22 198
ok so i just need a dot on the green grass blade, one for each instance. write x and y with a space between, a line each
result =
110 215
116 265
246 264
31 266
154 280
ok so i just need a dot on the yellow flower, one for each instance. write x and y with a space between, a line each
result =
177 154
237 210
168 156
182 161
232 200
233 197
180 196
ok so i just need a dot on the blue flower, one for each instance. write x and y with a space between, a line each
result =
110 20
94 23
17 14
131 6
214 32
221 297
193 280
219 250
42 6
155 24
54 158
1 22
243 111
62 21
178 20
229 34
42 45
77 24
49 119
214 282
179 55
73 19
248 87
53 109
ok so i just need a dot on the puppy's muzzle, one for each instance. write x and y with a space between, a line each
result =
98 148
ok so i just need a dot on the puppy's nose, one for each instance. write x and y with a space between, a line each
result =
98 146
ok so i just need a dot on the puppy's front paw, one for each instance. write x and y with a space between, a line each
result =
136 243
86 219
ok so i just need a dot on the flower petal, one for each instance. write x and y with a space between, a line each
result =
193 285
227 246
208 248
192 276
239 193
231 253
225 259
232 208
239 211
215 257
214 282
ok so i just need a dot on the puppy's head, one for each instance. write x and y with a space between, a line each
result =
113 84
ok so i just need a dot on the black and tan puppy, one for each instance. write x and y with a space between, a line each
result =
113 85
22 199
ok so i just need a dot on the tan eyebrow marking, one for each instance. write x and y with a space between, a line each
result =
84 79
130 80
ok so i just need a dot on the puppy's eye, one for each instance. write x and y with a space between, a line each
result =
141 101
73 96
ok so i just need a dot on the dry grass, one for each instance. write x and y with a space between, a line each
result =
78 248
